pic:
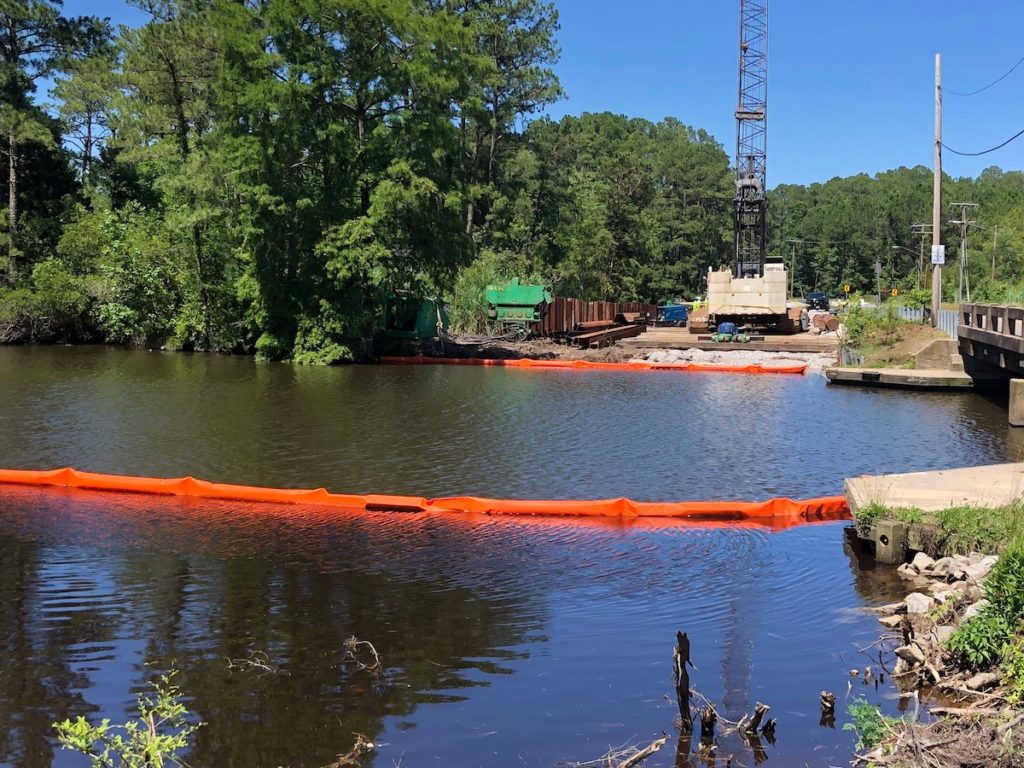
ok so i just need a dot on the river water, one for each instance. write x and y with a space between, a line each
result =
503 642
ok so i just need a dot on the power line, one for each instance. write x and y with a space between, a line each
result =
1001 77
984 152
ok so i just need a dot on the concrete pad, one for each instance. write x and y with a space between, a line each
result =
906 378
989 486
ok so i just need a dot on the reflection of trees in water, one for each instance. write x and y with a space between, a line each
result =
195 610
36 682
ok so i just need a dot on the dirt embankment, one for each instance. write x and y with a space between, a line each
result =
897 347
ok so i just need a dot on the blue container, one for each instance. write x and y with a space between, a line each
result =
729 328
674 314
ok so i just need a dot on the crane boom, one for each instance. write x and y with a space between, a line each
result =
753 293
751 141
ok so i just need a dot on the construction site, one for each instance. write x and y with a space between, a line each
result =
747 307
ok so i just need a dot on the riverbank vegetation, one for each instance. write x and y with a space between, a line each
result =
882 338
261 178
954 530
965 632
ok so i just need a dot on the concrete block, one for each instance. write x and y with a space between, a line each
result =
936 355
890 541
1017 402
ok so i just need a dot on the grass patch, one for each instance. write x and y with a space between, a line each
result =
956 530
873 512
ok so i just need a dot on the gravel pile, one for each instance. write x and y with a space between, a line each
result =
817 362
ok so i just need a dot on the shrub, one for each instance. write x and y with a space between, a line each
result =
868 722
153 740
141 277
871 325
979 642
1004 586
989 637
54 309
331 335
1013 669
919 298
469 305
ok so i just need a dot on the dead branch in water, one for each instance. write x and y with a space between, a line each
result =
350 759
258 662
363 655
622 757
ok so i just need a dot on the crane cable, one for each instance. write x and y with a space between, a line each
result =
998 79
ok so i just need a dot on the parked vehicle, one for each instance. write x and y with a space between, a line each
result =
817 300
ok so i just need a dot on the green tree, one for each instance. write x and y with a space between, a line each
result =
164 121
35 42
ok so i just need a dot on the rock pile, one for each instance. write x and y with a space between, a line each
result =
948 592
816 361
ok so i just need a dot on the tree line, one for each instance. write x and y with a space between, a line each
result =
261 176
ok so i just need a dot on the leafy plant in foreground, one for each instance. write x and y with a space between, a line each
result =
152 741
868 722
979 643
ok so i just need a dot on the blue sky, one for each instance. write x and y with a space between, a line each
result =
850 86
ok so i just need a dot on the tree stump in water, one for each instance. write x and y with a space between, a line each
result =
828 710
708 718
681 677
760 710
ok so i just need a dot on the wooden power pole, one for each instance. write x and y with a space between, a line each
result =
937 256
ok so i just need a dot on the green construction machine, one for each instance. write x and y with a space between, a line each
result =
409 321
516 305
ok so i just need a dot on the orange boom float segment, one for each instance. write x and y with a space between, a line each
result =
589 365
826 508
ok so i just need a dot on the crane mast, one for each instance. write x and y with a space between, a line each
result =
751 141
753 293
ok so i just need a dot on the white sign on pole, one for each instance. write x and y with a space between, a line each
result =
938 255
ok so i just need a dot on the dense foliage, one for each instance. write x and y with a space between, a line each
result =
260 176
834 233
995 634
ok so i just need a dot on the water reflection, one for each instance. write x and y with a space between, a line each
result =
195 587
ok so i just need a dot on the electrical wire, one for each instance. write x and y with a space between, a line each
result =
986 151
1001 77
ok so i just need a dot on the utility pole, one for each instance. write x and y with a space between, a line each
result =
964 223
995 235
792 266
937 256
923 231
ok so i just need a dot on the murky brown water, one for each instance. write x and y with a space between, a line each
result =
505 642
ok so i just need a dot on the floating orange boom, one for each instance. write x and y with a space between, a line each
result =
826 508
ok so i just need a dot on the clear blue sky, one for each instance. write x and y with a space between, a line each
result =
850 86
